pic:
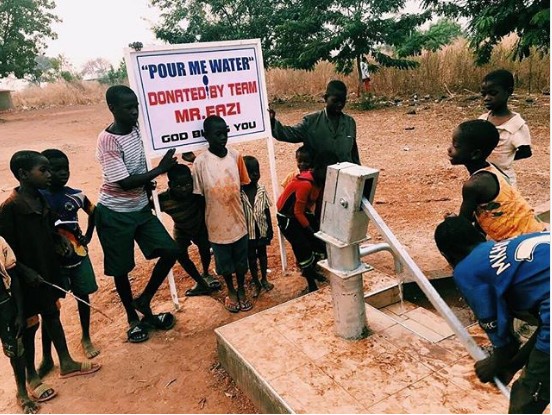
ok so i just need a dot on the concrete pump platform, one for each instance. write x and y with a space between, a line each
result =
288 360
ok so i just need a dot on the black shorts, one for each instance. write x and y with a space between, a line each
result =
40 300
200 239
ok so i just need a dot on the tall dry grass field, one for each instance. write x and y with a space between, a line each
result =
452 70
59 94
449 70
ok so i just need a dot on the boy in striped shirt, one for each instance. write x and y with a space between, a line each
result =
256 206
123 214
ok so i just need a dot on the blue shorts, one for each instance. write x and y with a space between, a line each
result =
231 258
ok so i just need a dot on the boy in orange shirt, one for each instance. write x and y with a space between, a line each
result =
487 197
218 174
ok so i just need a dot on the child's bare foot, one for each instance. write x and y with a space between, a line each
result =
45 367
90 350
27 404
267 285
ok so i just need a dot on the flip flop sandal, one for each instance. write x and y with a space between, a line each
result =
161 321
246 305
197 291
212 282
86 368
231 306
40 394
137 334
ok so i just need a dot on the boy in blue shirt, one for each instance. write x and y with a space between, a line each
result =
76 272
27 224
502 281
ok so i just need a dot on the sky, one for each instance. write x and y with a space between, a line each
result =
101 29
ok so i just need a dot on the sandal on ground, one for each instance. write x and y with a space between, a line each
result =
267 285
197 290
27 405
212 282
137 333
161 321
85 368
245 305
231 306
42 392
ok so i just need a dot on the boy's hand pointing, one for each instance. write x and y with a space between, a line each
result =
167 161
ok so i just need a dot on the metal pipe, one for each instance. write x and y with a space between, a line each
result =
373 248
428 289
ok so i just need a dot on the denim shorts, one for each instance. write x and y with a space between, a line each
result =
231 258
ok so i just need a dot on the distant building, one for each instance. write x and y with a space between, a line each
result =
6 102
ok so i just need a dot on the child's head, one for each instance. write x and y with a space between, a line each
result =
472 141
303 156
123 104
320 166
456 237
180 181
215 131
252 166
59 166
335 97
31 168
496 88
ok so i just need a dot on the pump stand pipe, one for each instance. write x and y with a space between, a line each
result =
428 289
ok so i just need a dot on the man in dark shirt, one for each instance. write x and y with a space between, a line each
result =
329 130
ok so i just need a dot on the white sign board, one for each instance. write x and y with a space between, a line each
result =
178 86
181 85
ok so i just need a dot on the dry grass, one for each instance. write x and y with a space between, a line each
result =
448 71
59 94
452 70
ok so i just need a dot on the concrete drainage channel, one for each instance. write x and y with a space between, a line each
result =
411 293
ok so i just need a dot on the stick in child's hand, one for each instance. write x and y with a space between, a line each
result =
78 299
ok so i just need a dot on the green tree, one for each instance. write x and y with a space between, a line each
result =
50 69
296 33
491 20
436 36
116 76
24 27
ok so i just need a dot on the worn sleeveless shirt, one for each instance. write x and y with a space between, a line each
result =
508 214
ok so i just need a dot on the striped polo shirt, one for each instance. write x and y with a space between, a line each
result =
121 156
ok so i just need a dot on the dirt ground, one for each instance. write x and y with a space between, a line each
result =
178 371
